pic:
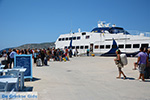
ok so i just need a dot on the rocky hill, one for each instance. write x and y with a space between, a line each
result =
33 45
37 45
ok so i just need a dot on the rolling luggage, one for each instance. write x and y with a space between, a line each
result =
5 62
38 62
45 62
147 73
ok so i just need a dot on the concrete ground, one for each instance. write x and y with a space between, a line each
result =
88 78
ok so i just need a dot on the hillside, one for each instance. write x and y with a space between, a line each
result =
37 45
34 45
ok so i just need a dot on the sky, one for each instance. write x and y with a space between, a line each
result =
38 21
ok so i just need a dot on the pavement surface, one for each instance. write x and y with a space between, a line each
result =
87 78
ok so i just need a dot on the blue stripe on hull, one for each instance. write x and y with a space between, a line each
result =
128 54
112 51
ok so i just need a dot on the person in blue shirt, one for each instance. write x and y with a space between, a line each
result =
35 54
11 55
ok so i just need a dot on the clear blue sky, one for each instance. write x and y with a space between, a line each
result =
37 21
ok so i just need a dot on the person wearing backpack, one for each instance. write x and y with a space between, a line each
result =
119 64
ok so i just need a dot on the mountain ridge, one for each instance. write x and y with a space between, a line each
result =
33 45
37 45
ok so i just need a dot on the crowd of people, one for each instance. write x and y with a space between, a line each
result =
143 64
42 54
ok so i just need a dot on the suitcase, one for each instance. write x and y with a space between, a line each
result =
5 62
147 73
45 62
38 62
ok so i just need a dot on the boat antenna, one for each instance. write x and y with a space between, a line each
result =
71 25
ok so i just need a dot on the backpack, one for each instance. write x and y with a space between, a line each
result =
124 59
38 62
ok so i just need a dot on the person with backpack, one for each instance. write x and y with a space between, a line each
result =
119 64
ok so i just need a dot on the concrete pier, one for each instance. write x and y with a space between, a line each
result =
88 78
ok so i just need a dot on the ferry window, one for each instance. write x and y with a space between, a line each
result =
86 47
74 38
65 47
87 37
107 46
101 46
121 46
144 45
128 45
83 33
70 38
78 38
116 30
136 45
77 47
59 39
66 38
63 39
73 47
96 46
81 47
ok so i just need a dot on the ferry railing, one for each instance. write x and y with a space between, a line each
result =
135 32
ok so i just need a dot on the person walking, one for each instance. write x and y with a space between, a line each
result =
87 52
35 54
42 57
8 57
70 53
119 64
12 54
142 61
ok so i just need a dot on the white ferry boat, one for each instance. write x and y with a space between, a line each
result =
103 40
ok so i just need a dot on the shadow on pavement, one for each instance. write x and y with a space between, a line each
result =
27 89
33 79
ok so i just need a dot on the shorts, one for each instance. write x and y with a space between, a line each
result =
142 68
119 65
